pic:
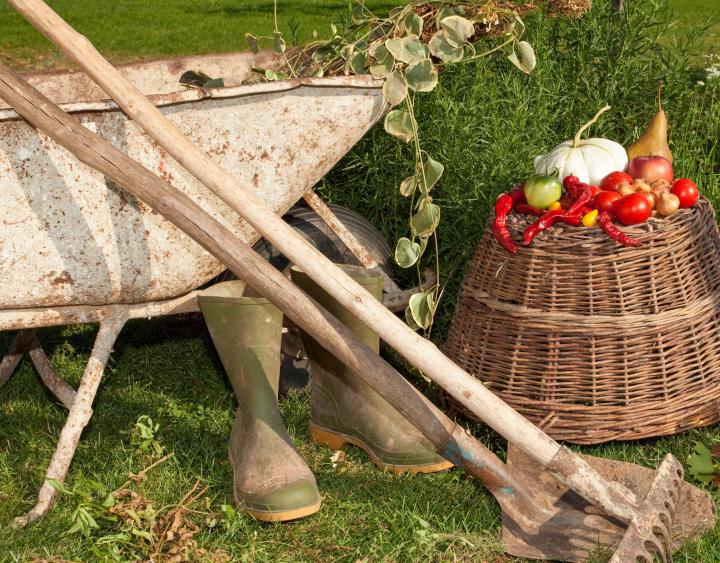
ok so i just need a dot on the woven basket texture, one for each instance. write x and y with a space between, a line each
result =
593 341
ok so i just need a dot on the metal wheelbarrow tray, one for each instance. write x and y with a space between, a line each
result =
76 248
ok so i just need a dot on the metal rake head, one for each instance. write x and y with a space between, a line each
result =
569 528
650 531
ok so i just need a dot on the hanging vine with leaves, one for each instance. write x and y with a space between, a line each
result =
406 49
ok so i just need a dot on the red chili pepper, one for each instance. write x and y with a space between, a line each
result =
522 207
503 207
545 222
581 194
609 228
573 186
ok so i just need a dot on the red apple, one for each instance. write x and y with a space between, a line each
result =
651 168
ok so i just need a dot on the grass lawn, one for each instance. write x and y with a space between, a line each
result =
701 13
486 122
141 29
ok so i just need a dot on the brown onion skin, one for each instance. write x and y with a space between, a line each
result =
667 204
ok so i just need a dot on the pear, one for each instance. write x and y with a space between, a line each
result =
653 141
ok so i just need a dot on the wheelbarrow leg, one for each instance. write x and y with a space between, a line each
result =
57 386
79 416
26 341
20 345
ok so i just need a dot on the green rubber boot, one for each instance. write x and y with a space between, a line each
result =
346 410
271 481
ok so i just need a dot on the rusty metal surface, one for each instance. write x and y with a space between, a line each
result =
70 237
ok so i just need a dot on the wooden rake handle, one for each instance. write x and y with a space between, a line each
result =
421 353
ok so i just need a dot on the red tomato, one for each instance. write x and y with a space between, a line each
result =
632 209
604 201
594 190
686 191
612 181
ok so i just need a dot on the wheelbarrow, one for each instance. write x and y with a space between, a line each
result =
75 248
559 511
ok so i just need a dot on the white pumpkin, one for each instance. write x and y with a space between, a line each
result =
588 159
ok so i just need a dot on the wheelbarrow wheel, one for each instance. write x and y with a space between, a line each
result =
320 235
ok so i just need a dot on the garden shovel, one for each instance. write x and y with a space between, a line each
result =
540 517
644 519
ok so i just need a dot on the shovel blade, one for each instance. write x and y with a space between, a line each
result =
574 530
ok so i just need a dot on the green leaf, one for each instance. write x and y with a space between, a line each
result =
395 88
279 43
442 14
407 252
526 61
273 75
58 486
408 186
215 83
252 42
421 76
441 48
413 24
378 51
700 464
421 307
429 175
359 62
415 49
458 29
407 49
385 61
409 319
399 124
426 220
346 53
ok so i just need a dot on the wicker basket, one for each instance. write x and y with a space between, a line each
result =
595 342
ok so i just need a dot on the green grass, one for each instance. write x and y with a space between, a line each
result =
142 29
700 13
486 122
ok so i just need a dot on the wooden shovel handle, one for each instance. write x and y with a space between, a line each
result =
421 353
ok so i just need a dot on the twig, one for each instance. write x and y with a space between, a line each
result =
143 474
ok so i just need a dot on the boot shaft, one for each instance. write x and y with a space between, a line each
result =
246 332
371 281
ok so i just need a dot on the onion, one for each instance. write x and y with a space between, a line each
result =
667 204
642 186
651 199
626 189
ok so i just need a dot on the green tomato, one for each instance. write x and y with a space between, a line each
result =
542 191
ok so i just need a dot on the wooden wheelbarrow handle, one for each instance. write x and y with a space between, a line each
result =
614 499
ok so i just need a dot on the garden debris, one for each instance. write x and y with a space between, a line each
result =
337 458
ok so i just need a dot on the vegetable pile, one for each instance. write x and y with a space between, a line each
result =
594 183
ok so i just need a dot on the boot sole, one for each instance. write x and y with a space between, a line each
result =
336 441
284 515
